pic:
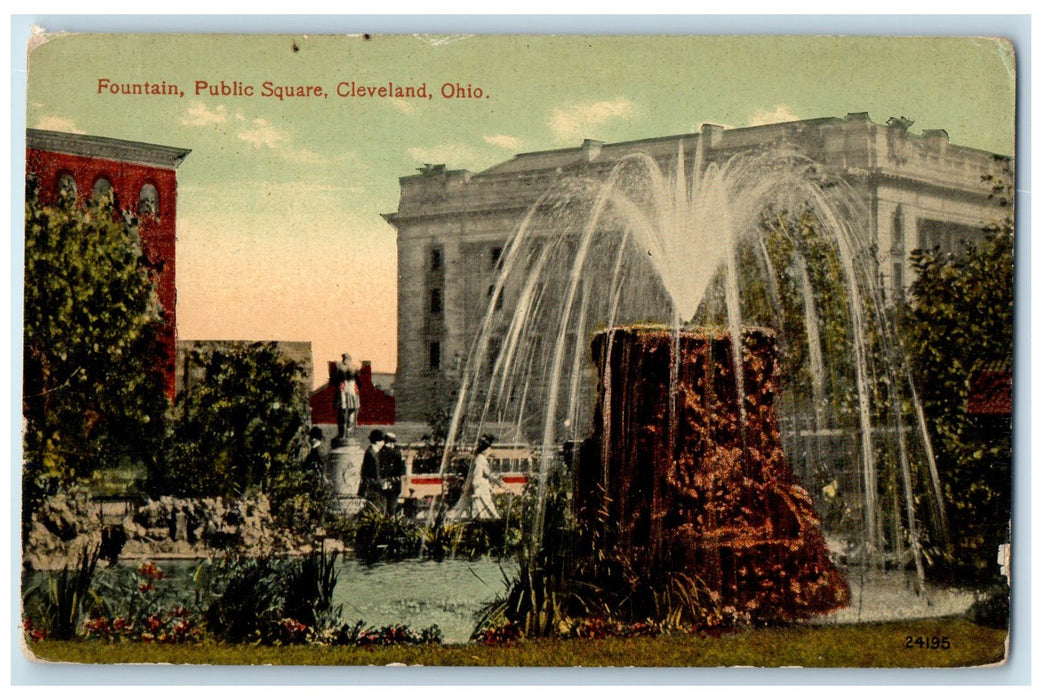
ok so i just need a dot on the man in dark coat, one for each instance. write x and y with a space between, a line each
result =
392 471
369 485
315 467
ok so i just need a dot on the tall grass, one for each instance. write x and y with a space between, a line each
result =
57 604
265 600
537 600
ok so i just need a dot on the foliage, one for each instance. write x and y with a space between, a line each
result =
993 609
303 499
250 607
533 602
271 602
791 266
472 539
142 604
508 634
241 429
959 323
55 607
275 600
169 627
394 634
94 358
379 535
309 597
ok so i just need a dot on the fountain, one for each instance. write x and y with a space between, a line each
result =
762 240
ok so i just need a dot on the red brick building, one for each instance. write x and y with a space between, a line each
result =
991 393
142 179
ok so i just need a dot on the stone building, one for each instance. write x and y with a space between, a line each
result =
453 225
142 179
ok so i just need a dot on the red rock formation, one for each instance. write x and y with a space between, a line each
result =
696 490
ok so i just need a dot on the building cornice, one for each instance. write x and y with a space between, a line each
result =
874 177
396 219
167 157
879 177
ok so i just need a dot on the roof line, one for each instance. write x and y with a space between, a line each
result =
89 146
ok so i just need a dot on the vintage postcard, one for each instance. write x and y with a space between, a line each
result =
672 351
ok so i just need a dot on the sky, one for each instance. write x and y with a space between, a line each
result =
280 234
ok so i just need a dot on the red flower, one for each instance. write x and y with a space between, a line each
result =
150 571
35 634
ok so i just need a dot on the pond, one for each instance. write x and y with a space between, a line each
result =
421 593
418 593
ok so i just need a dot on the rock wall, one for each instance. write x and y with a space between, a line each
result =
158 529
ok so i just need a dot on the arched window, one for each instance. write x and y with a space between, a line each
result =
102 188
66 188
148 201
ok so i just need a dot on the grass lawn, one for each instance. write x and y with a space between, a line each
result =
875 645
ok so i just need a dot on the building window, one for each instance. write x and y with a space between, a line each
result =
435 259
494 256
102 188
897 252
435 301
947 236
148 201
434 355
66 188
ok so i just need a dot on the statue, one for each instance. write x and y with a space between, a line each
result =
346 397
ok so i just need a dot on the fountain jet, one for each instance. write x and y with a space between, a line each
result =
767 240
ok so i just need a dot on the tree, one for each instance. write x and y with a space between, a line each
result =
94 359
242 428
959 323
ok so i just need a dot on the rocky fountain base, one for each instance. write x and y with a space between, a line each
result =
694 492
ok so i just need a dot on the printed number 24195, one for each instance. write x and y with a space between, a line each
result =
933 642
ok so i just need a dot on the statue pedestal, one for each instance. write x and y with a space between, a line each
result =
345 466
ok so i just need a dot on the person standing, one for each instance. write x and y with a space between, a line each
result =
481 505
314 462
392 471
369 485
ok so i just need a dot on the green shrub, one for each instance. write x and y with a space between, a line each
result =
959 324
381 536
275 600
993 609
243 428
